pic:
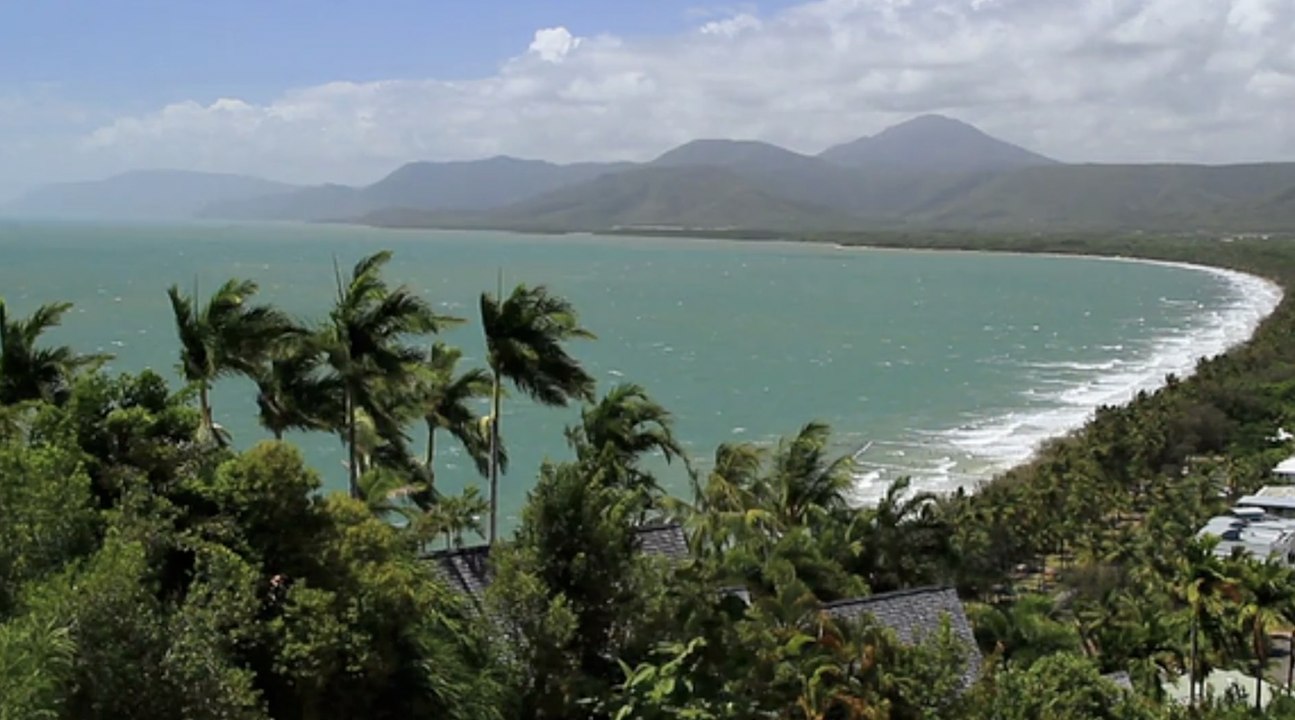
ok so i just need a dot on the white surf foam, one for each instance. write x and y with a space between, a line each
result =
1012 438
1064 397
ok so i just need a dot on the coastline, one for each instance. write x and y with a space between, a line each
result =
1256 298
1243 264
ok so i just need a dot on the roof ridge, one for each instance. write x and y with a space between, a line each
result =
891 595
457 552
658 525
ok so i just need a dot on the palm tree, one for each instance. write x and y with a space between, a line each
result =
29 372
450 516
524 337
899 541
725 504
224 336
625 425
444 400
294 394
386 492
805 485
1025 631
365 349
1268 603
1202 581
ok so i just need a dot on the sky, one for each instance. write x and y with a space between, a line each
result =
345 91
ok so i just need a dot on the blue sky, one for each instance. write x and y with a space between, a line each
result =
344 91
136 54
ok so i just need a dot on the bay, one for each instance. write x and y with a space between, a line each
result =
946 366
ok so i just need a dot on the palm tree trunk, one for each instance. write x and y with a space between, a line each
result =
352 477
1290 660
1261 660
204 401
1191 673
1259 686
494 458
431 449
278 434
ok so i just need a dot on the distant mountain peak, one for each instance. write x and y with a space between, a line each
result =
933 143
934 119
728 153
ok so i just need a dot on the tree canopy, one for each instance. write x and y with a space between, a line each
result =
147 572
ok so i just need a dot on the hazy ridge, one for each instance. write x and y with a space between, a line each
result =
931 172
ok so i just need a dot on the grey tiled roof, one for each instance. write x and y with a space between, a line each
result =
665 539
915 615
467 570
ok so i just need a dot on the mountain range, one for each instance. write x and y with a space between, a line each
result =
930 172
162 194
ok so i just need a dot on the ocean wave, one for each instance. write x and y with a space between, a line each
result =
1078 366
1063 397
1013 437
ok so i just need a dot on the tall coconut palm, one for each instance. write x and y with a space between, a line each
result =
366 349
450 516
293 392
445 398
224 336
804 484
1269 602
725 503
30 372
1202 581
625 425
1025 631
900 541
524 342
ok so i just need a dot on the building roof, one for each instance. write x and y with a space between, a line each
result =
1276 502
467 570
1260 538
1218 683
914 615
1285 467
666 539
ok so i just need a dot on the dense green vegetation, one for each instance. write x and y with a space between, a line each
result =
148 570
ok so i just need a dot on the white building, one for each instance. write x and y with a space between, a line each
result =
1274 500
1254 532
1285 470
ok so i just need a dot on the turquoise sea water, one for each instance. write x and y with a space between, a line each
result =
943 365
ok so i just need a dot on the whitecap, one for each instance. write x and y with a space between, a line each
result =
1013 437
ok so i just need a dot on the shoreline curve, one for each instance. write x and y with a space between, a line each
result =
1255 299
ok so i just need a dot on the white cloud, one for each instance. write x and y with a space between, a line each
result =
1140 80
553 44
733 26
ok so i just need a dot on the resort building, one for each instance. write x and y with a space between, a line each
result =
1285 470
1252 531
467 570
913 614
1274 500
